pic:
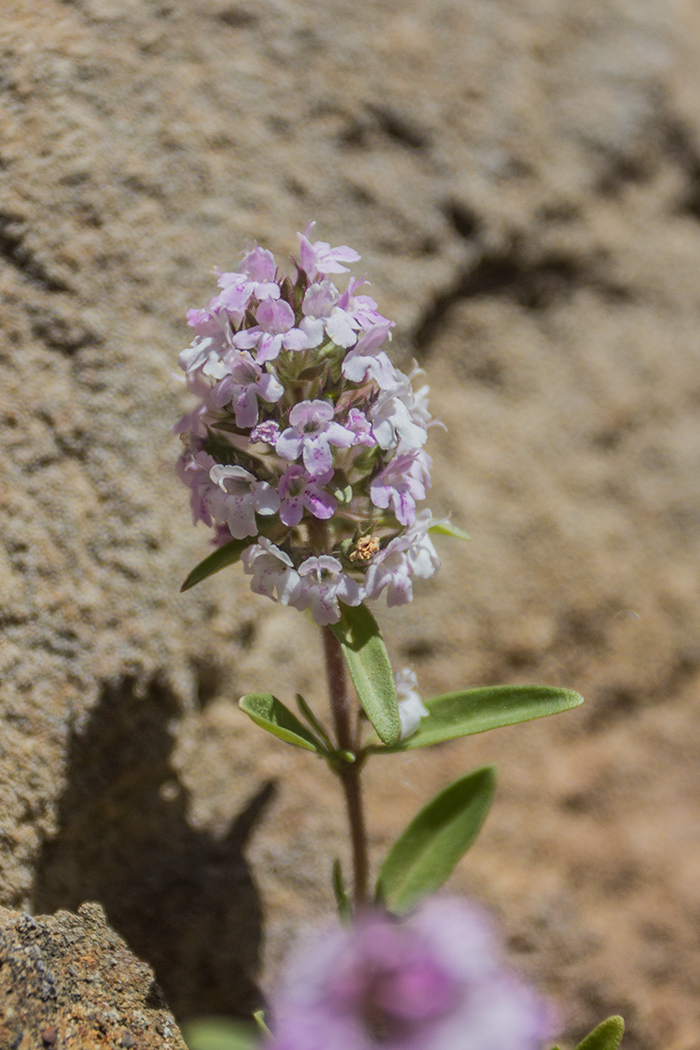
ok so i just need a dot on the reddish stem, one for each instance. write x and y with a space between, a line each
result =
349 772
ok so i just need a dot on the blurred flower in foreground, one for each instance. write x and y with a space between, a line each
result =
433 981
307 441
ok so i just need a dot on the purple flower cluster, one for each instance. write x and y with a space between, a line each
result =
432 982
306 438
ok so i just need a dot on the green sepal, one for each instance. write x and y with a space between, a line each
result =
219 1033
343 493
426 853
342 899
271 714
313 372
607 1036
446 528
473 711
370 669
216 561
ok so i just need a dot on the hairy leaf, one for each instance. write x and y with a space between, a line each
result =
216 561
370 670
426 853
607 1036
473 711
271 714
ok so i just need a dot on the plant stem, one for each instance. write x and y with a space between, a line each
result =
348 772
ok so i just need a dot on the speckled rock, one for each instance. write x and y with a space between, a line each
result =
522 179
68 982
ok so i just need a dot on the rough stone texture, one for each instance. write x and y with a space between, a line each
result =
68 982
522 178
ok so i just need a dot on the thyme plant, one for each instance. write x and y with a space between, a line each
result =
306 456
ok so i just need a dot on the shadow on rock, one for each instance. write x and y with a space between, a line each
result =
183 900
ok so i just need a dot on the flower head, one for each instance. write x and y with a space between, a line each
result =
432 982
306 438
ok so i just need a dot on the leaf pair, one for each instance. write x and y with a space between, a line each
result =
452 715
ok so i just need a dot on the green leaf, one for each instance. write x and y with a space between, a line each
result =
219 1033
342 899
216 561
313 721
426 853
446 528
370 670
607 1036
271 714
259 1018
476 710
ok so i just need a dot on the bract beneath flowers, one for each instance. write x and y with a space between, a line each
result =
432 982
306 438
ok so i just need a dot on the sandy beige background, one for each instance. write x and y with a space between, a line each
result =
522 178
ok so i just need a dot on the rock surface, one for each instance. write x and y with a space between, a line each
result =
67 982
522 178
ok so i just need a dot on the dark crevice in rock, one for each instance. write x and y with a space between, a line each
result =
183 899
623 170
398 127
67 335
620 702
14 251
534 286
682 148
237 17
465 221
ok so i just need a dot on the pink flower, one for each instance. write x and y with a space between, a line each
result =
298 491
272 570
396 417
193 470
322 315
322 583
242 387
401 483
434 981
367 361
238 497
320 258
275 332
255 276
411 554
359 424
311 434
205 356
361 308
411 708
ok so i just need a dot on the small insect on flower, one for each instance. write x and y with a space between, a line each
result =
306 438
365 549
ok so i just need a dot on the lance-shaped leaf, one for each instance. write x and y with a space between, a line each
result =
426 853
446 528
607 1036
270 713
476 710
370 670
216 561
